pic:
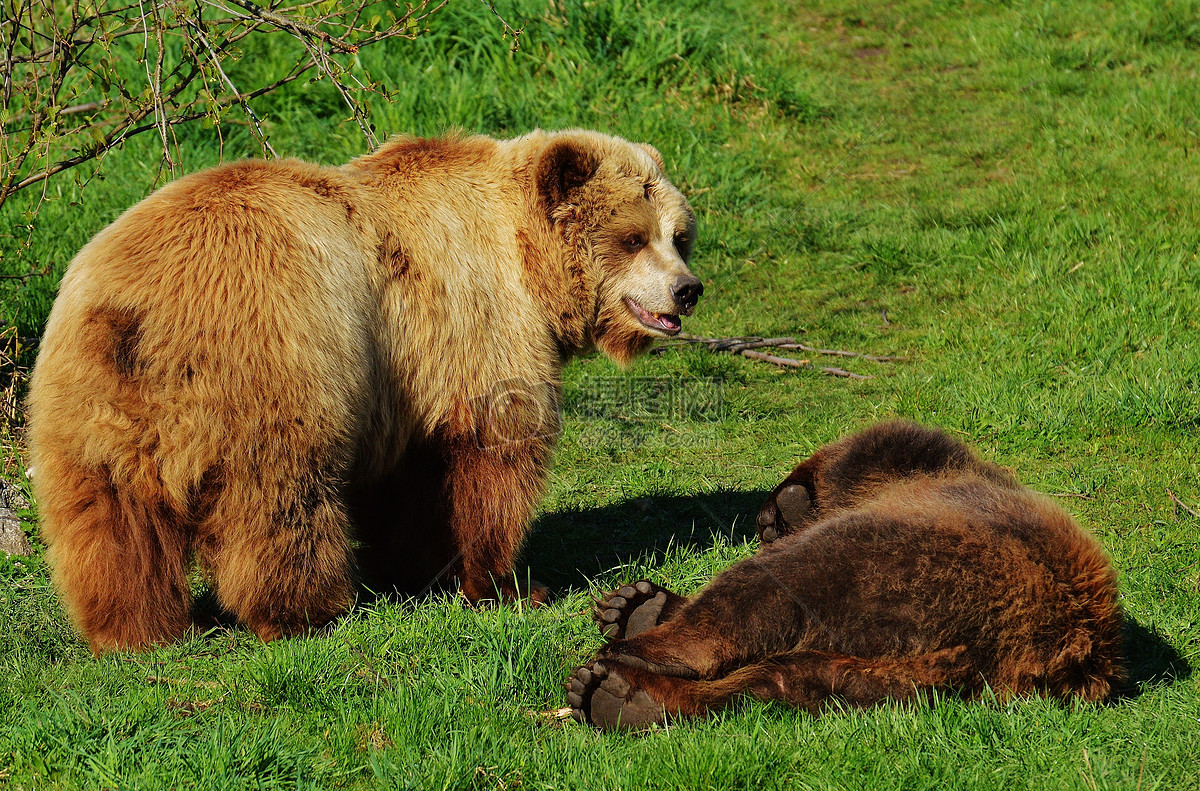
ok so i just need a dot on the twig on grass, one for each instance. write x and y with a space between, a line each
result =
183 682
1179 503
189 708
747 346
12 379
794 363
1089 777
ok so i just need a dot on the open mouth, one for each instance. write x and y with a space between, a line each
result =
663 322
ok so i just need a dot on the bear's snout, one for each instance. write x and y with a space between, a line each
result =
687 290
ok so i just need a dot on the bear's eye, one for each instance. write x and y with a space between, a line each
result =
683 243
634 242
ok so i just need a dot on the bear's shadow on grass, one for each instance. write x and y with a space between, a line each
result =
567 549
1152 660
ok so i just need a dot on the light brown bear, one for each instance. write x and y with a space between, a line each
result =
263 363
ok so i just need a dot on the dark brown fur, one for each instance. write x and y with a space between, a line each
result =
917 567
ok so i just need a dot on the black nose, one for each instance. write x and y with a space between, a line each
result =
687 290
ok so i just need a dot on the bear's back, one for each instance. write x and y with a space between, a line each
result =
927 562
203 313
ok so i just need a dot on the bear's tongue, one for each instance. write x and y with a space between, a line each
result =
670 323
663 321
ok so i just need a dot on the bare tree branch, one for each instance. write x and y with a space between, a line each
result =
154 78
297 28
237 95
788 361
509 30
68 94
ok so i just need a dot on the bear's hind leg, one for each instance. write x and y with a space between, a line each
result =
612 696
286 569
810 680
632 609
755 609
119 557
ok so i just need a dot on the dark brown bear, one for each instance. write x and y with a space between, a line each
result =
894 562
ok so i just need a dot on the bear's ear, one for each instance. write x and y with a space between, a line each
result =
653 152
565 166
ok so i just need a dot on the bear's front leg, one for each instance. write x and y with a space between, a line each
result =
492 491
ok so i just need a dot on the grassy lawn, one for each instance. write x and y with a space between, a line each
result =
1005 193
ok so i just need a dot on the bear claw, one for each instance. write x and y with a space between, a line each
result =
632 609
600 696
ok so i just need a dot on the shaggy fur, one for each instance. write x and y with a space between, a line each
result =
261 363
904 564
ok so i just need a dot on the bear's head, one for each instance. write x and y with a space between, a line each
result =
628 233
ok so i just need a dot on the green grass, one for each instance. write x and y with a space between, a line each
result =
1013 184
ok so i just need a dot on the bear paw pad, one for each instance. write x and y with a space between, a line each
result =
601 696
633 609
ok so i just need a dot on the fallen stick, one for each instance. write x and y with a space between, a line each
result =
183 682
794 363
738 344
842 353
746 347
1181 504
